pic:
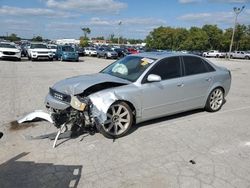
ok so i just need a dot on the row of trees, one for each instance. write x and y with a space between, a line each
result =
195 38
14 38
112 38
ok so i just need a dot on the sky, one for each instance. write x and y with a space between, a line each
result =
55 19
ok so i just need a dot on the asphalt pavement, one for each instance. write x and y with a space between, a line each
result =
192 149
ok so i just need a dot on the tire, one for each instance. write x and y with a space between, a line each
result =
217 56
119 121
105 56
247 57
98 55
51 59
215 100
61 59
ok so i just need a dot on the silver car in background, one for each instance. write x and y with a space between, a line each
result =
138 88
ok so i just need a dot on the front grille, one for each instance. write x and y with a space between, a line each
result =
42 52
9 53
60 96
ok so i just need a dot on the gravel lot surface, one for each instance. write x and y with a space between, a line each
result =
193 149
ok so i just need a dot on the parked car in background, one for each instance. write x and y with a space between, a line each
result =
214 53
138 88
9 51
240 55
90 51
39 51
24 50
122 52
199 53
53 49
107 53
132 51
66 53
80 50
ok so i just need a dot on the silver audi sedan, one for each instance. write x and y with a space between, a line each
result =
138 88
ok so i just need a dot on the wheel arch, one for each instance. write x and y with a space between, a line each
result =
217 85
131 106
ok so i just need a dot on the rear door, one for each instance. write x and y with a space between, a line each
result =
198 78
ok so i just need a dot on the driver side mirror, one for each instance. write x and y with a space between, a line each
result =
153 78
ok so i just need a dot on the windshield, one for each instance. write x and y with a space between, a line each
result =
32 46
68 49
5 45
129 68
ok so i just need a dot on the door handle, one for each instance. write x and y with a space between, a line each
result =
208 79
180 84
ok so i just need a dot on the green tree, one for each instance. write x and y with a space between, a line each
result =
197 39
161 38
13 37
83 42
37 39
214 36
86 31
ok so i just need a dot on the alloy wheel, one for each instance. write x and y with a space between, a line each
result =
118 120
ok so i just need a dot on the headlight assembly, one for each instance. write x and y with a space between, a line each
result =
77 104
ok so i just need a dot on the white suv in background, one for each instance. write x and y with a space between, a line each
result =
90 51
9 51
39 51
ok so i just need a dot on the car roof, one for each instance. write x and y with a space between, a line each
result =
161 55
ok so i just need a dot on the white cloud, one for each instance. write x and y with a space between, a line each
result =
88 5
225 18
189 1
126 21
229 1
17 11
16 25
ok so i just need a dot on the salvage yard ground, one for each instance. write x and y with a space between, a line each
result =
194 149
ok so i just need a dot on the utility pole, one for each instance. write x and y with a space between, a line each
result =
119 31
237 11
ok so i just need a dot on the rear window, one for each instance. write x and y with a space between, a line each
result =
194 65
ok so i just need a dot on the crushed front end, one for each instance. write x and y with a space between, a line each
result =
72 111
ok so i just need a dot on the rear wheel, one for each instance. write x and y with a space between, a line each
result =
247 57
215 100
119 121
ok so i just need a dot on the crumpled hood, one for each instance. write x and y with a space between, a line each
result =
77 84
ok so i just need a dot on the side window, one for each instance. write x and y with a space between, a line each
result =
193 65
208 66
168 68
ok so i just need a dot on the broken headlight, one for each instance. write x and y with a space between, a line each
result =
78 103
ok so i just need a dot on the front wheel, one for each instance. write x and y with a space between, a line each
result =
215 100
119 121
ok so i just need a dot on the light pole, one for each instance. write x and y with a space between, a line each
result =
237 11
119 31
